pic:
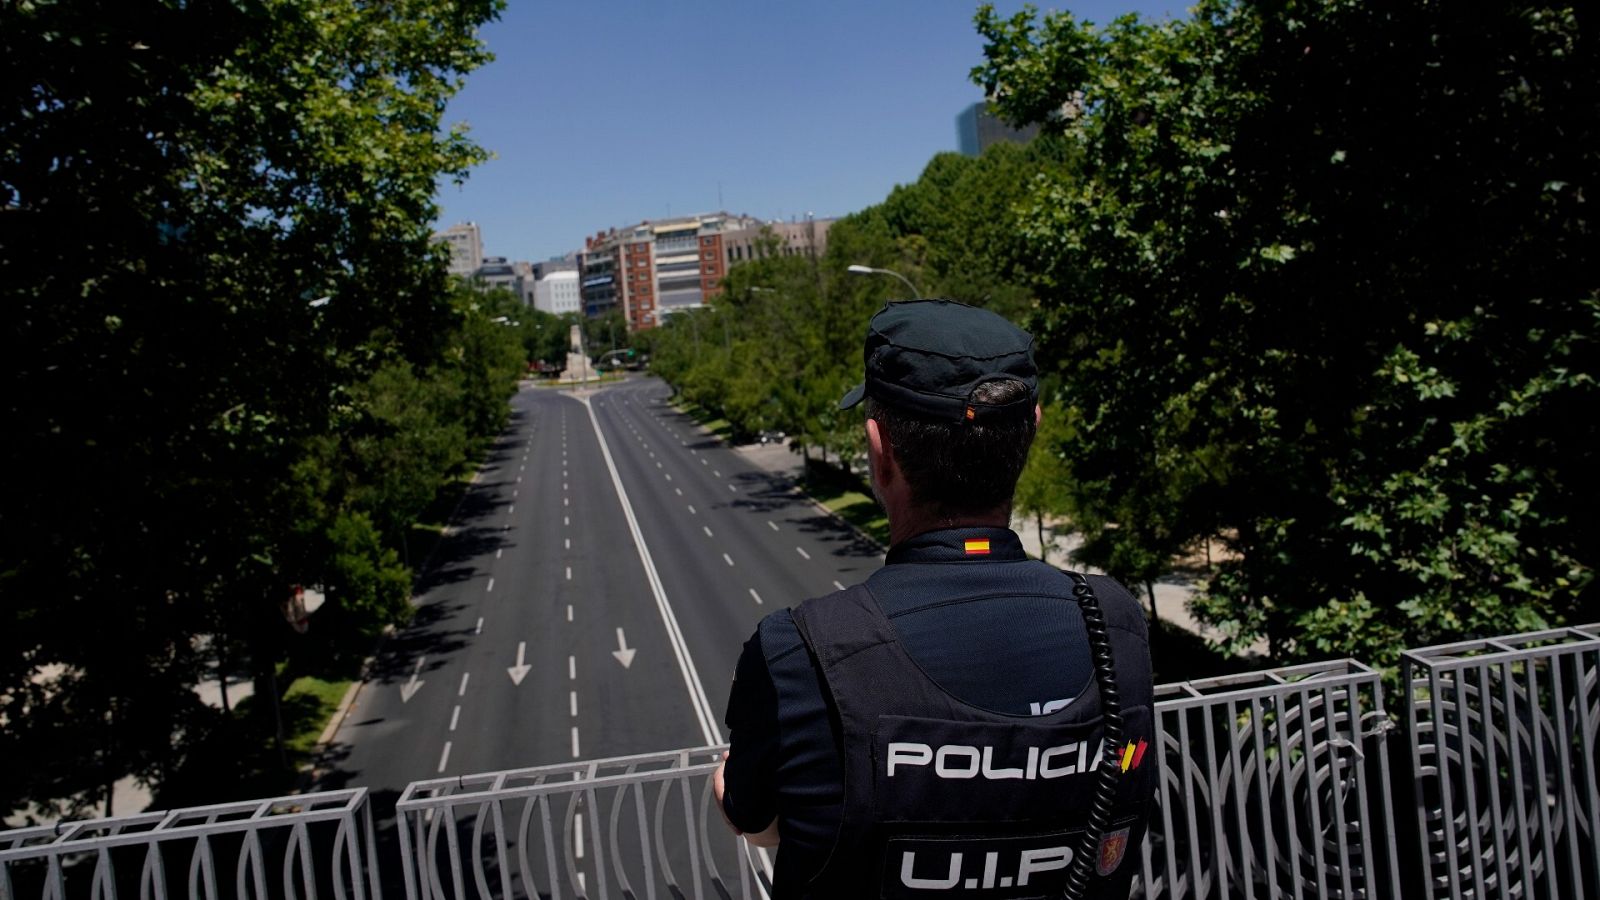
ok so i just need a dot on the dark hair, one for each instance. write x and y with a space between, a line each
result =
960 468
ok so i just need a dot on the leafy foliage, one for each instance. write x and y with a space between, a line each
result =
1324 285
234 359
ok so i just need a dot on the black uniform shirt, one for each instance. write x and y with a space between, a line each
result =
995 629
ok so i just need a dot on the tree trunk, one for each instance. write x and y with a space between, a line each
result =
1044 552
1150 588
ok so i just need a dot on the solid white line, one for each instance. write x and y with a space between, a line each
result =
490 588
569 612
455 716
755 595
838 585
479 629
574 742
691 678
728 558
691 509
572 697
462 691
771 524
444 758
572 668
802 552
708 530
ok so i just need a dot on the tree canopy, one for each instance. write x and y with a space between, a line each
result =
234 358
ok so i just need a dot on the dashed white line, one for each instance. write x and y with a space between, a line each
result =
707 529
802 552
773 525
572 698
563 485
728 559
513 492
704 461
455 716
566 501
755 595
519 479
679 490
572 668
490 588
569 573
462 691
498 551
733 488
479 629
444 758
565 521
575 753
568 542
716 473
838 585
512 510
669 476
569 612
658 463
577 828
691 509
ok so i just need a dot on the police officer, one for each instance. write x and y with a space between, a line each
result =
968 722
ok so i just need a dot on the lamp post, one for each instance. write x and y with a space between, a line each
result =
868 270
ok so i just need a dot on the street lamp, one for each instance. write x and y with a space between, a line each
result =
868 270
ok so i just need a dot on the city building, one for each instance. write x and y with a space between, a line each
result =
977 128
808 238
516 277
466 247
557 292
650 269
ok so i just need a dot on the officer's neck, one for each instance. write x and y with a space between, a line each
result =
910 520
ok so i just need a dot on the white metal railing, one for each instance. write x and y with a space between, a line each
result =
299 848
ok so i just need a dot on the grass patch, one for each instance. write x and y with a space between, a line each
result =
848 497
708 420
315 700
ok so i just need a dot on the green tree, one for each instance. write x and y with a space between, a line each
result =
216 227
1322 282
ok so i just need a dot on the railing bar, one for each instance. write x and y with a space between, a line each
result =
1588 735
1441 738
1364 811
667 874
1241 830
453 842
1319 863
1336 754
500 851
689 831
1385 791
1469 780
1185 791
1546 836
372 881
1491 765
1264 795
403 824
480 878
1170 843
1286 771
594 838
1219 837
1518 788
645 843
549 849
1569 799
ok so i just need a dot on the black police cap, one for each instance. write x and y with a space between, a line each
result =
928 357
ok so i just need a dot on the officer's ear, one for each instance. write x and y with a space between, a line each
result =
880 452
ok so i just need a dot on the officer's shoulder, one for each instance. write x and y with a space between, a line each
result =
779 635
1121 608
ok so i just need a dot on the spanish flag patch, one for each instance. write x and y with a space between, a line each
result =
978 547
1132 755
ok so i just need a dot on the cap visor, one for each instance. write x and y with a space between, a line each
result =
854 397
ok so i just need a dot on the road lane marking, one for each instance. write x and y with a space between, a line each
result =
514 492
691 509
490 588
707 529
569 612
563 485
444 758
728 559
755 595
565 521
569 573
572 697
704 461
479 629
691 677
577 829
716 473
838 585
512 510
802 552
519 479
568 542
455 716
572 668
733 488
679 490
462 691
574 742
565 501
771 524
498 551
658 463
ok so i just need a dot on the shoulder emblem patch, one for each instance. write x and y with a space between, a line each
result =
1113 845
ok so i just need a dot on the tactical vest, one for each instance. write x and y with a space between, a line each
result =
943 799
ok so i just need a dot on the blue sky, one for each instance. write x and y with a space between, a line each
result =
606 112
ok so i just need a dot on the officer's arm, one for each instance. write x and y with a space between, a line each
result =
745 784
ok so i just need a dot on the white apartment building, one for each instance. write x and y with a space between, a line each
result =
557 292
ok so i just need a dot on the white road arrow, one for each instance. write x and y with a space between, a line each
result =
409 689
623 653
520 670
